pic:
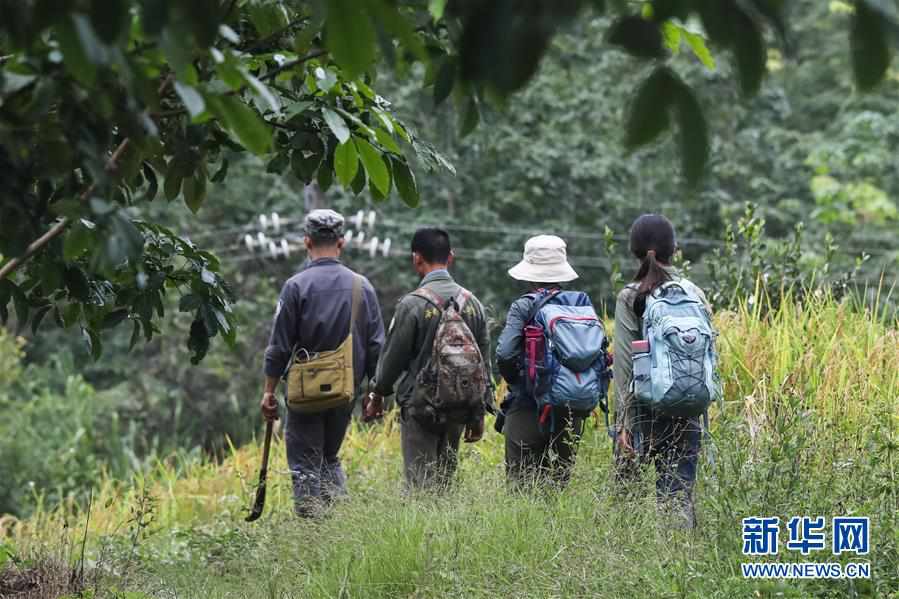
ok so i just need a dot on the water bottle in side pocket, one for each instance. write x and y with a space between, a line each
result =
642 383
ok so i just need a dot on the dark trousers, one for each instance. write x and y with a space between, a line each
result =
534 454
672 446
430 453
313 441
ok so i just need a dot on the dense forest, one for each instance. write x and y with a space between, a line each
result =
798 197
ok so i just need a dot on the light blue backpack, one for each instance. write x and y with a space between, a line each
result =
678 376
566 363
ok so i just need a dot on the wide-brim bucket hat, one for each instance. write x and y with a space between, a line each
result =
545 261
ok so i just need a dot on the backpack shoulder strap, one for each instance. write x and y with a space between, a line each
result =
430 296
540 301
462 298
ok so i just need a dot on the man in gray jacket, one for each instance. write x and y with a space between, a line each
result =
313 314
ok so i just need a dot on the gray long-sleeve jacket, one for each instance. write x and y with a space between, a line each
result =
314 313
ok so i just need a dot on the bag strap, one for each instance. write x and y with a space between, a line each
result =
356 300
541 301
355 305
461 299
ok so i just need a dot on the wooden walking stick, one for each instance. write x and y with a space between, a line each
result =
263 473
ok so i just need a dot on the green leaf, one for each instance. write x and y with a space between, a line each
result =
663 10
277 164
189 302
262 91
749 48
222 173
179 167
693 134
267 17
346 163
700 50
638 36
359 181
179 53
386 140
446 78
470 117
77 284
436 8
349 36
304 166
404 180
135 335
648 116
195 191
79 239
871 53
192 99
152 183
378 173
114 318
92 341
14 82
251 130
337 125
74 56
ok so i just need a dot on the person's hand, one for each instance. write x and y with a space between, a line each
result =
624 441
269 406
372 407
474 431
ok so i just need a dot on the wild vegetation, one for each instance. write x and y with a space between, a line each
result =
765 130
808 426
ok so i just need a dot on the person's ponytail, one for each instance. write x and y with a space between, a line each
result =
652 241
651 274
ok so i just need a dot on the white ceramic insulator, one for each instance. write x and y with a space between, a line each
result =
263 222
249 242
385 248
285 248
276 222
372 216
373 247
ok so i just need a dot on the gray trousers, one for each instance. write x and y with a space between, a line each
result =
430 454
672 446
313 442
536 456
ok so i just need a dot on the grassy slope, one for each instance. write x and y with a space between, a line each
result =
811 427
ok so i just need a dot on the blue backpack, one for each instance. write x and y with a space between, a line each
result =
678 376
566 362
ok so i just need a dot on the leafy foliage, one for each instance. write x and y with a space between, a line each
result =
100 101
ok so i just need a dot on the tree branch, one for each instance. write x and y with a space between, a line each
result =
57 229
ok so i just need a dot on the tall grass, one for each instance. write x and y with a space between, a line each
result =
810 426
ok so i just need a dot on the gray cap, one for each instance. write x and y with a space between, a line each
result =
324 221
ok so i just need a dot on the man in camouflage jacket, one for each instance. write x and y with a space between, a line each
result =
430 445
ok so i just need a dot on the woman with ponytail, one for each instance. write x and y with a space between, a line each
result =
642 436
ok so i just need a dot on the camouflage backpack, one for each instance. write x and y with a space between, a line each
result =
452 383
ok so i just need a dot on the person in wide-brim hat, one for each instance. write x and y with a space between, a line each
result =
545 260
